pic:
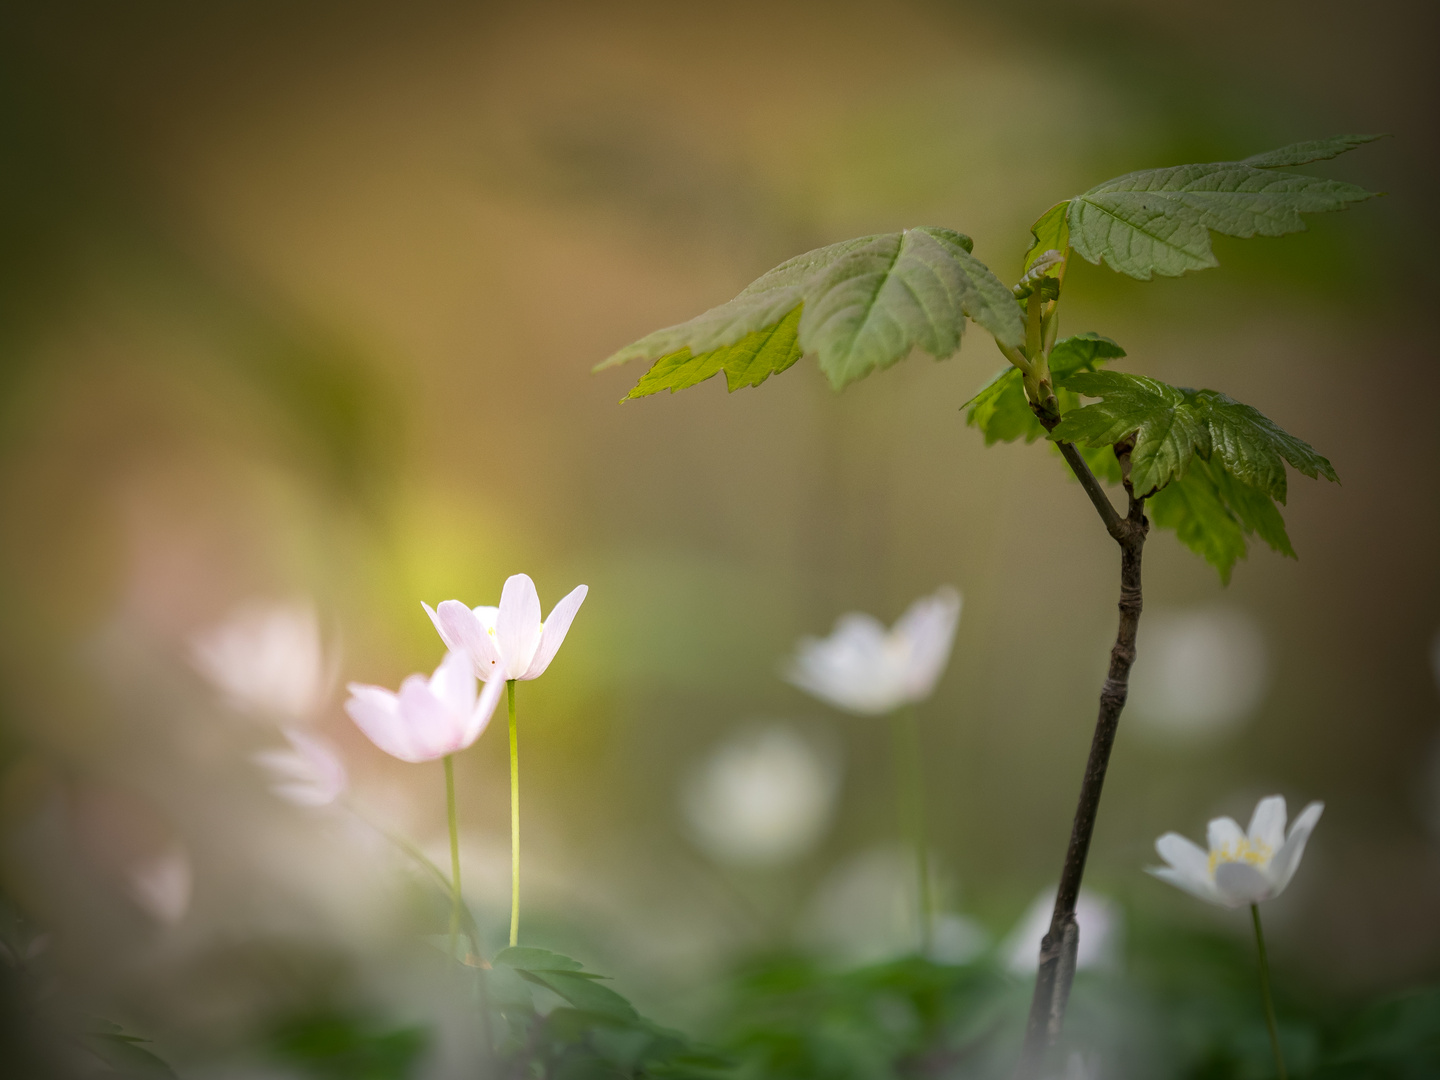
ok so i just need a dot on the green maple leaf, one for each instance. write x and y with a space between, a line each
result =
856 306
1158 221
1212 513
1000 409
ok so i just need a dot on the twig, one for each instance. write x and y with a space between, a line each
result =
1059 947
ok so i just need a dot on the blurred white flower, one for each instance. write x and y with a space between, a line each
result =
867 910
1201 673
1101 930
309 774
267 659
509 641
764 797
864 668
1240 867
427 719
161 885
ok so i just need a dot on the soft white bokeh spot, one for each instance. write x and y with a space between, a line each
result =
764 797
161 885
1101 933
267 659
867 910
1199 673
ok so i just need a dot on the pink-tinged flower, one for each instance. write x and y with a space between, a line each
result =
864 668
509 641
309 774
428 718
1241 867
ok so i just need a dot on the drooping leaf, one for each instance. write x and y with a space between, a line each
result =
1158 221
862 304
1000 409
1212 513
1254 448
1170 425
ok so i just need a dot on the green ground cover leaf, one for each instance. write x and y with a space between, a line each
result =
1001 411
1158 221
856 306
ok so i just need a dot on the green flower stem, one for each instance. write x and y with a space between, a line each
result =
1265 992
910 796
514 819
455 900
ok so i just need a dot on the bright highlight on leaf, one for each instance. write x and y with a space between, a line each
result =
856 306
1158 221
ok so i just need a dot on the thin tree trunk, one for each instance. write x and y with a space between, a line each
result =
1059 947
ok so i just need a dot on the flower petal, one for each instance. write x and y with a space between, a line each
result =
1224 835
553 632
462 631
517 630
850 669
1242 883
484 709
432 728
1184 855
376 712
1267 824
453 684
1287 859
927 630
1185 883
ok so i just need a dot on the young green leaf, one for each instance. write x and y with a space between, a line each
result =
1158 221
1212 513
1000 409
1170 425
856 306
1167 431
523 958
1050 233
582 993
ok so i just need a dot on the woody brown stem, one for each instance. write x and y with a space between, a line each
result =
1059 947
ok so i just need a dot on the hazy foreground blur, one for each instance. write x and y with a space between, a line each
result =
298 306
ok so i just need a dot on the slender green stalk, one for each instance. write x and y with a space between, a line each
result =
514 819
910 797
455 900
1265 992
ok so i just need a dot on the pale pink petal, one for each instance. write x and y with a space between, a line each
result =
376 712
461 630
433 730
517 630
484 709
1287 859
552 634
1241 883
453 683
1267 824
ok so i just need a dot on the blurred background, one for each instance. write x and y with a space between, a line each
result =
297 310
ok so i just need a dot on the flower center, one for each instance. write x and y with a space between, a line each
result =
1256 853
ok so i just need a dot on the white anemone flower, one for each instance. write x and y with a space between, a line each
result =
1241 867
428 718
864 668
509 641
267 659
309 774
764 797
